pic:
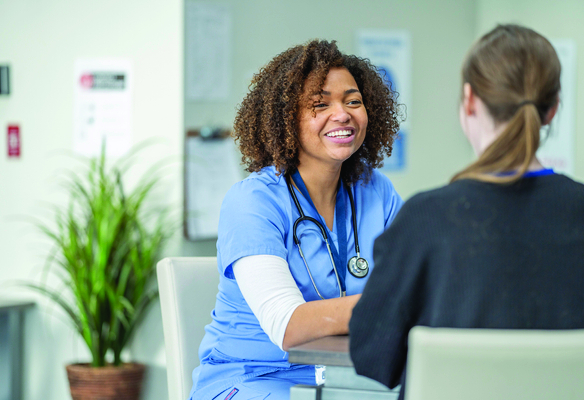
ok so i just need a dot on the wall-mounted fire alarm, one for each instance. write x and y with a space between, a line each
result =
14 141
4 79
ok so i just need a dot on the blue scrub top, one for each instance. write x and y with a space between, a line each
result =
257 216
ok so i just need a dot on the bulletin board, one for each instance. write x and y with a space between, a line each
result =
211 168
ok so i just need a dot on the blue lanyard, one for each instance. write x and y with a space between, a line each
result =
340 256
541 172
530 174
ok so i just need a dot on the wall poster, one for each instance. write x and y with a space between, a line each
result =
390 51
102 107
208 51
557 146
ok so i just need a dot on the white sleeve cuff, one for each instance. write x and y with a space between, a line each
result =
269 289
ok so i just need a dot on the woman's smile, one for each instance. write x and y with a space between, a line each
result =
341 135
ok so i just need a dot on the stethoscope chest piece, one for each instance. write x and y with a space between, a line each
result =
358 267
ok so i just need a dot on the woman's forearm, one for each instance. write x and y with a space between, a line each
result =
319 318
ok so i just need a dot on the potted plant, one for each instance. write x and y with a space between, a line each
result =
107 242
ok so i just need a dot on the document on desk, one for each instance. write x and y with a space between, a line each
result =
211 169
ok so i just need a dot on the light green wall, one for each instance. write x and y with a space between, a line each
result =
441 32
555 20
41 41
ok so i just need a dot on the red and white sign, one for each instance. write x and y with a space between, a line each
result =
13 141
102 107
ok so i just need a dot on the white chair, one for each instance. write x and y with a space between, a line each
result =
188 287
477 364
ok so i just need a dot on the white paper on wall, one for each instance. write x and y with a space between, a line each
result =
211 169
390 51
102 107
208 51
557 148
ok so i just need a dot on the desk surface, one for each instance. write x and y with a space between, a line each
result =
13 304
11 355
330 351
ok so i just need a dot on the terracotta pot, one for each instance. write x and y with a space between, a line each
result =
105 383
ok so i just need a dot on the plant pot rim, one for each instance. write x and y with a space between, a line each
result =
108 367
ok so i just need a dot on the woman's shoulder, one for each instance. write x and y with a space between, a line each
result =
379 182
379 189
254 201
253 219
564 182
261 193
433 203
562 192
265 182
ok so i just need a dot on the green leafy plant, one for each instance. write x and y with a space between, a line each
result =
107 243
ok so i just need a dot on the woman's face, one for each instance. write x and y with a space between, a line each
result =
336 128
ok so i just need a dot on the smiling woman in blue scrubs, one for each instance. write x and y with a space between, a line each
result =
296 237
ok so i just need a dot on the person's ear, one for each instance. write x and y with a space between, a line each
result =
551 113
468 100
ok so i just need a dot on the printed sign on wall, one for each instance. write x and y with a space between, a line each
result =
103 107
390 51
208 50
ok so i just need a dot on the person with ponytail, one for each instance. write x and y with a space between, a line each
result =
501 246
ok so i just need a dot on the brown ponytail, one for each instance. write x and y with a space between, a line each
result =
516 73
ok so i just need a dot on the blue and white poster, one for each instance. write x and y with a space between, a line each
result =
390 51
558 140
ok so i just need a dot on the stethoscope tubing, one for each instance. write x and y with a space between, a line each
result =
324 235
304 217
354 215
310 274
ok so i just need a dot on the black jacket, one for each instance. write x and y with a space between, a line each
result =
472 255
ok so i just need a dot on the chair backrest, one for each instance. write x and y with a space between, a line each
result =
188 288
479 364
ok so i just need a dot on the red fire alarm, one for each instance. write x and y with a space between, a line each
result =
13 141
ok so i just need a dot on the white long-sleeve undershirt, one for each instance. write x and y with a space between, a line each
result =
269 289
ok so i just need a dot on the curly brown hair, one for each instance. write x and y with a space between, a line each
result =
266 125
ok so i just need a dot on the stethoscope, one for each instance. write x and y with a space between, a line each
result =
357 266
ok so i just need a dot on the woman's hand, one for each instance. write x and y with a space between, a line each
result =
319 318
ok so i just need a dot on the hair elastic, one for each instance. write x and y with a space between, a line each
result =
526 102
